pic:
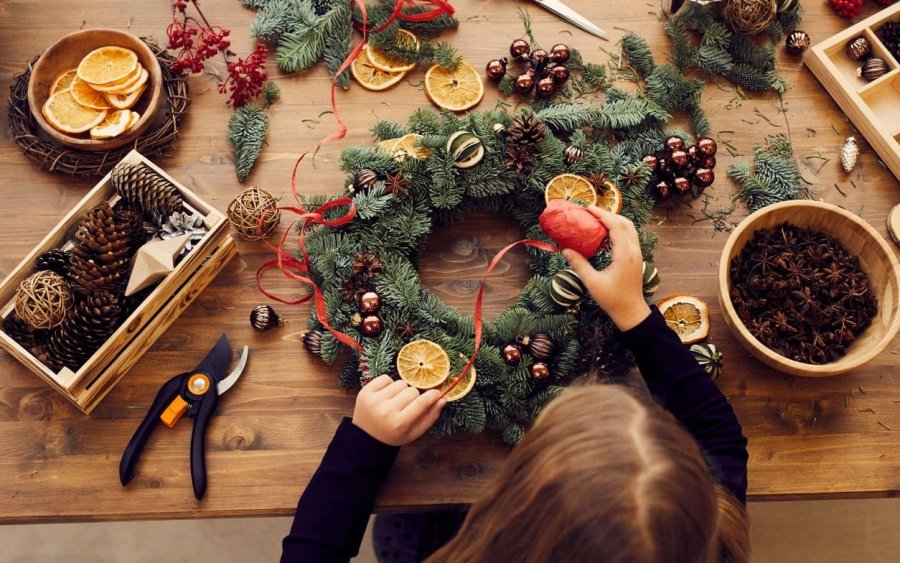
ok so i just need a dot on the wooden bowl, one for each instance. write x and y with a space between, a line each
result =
876 258
67 53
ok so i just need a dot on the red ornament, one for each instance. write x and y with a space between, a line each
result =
539 58
496 69
523 84
651 161
679 159
847 8
540 370
675 143
545 87
560 53
682 185
560 74
519 49
573 226
512 354
704 177
693 154
369 302
707 146
371 326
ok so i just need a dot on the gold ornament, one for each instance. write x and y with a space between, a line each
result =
849 154
43 299
246 210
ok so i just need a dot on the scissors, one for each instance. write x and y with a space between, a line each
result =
571 16
195 393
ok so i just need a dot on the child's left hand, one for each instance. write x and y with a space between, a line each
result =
395 413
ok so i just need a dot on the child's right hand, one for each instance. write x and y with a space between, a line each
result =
395 413
619 288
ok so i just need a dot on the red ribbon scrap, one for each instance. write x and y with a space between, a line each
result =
299 270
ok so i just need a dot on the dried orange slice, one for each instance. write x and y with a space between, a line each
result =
609 197
114 125
107 64
123 84
133 119
455 90
423 364
461 390
370 77
128 88
87 96
63 81
125 101
67 115
407 146
571 187
382 61
387 145
688 316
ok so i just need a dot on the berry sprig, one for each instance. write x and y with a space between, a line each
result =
198 41
246 77
847 8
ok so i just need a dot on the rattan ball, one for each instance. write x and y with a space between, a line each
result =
246 210
749 17
43 299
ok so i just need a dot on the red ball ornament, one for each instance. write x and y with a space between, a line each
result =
708 162
675 143
519 49
539 58
512 354
545 87
707 146
560 74
693 154
523 84
704 177
369 302
560 53
679 159
663 189
651 161
573 226
540 370
371 326
682 185
496 69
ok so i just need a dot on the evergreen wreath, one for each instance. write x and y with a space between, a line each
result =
401 198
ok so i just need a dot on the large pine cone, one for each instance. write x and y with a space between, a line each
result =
100 256
87 326
21 332
890 35
143 188
131 221
519 159
526 131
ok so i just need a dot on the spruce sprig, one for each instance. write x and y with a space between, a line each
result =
247 130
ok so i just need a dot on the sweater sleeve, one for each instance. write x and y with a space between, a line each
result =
677 381
334 509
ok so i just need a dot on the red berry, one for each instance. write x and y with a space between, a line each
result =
847 8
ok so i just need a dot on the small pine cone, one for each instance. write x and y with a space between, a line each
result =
131 222
526 131
890 36
100 258
19 331
85 329
367 263
54 260
143 188
519 160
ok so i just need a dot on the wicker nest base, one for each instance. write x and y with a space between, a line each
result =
157 140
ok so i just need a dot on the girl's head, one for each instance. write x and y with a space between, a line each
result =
603 476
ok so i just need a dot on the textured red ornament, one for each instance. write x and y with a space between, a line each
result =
573 226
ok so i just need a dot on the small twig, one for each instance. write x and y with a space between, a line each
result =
883 425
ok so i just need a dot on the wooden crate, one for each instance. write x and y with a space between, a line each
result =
99 374
874 107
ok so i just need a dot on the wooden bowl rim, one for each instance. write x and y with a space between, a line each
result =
89 144
777 360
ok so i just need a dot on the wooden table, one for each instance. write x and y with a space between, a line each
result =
837 437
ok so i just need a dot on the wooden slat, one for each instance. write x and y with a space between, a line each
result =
808 438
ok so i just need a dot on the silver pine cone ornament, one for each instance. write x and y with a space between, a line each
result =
849 154
179 224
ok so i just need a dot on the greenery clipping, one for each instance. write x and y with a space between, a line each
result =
614 135
307 31
247 130
702 39
775 178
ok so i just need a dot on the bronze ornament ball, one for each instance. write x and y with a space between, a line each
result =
540 370
681 184
369 302
512 354
541 346
797 42
707 146
249 207
519 49
545 87
371 326
675 143
539 58
560 74
523 84
496 69
704 177
312 340
560 53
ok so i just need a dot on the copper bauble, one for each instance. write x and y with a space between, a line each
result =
652 162
663 189
371 325
560 53
859 49
707 146
523 84
797 42
369 302
512 354
704 177
693 153
312 340
519 49
545 87
540 370
708 162
539 58
675 143
681 184
496 69
560 74
364 179
679 159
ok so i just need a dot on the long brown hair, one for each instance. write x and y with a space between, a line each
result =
603 476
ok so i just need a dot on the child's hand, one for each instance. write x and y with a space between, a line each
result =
394 413
619 288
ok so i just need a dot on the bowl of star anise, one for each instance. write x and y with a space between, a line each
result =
809 288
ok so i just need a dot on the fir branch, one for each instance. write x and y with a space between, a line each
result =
775 179
637 51
337 44
247 130
271 93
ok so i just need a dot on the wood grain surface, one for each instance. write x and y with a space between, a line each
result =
835 437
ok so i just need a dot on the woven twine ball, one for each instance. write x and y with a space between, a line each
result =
749 17
43 299
245 211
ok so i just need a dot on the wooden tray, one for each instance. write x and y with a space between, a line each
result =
99 374
874 107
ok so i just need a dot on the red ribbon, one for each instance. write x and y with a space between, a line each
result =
540 245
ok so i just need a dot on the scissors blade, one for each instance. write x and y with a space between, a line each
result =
573 17
216 362
225 384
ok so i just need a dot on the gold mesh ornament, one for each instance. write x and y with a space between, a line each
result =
246 210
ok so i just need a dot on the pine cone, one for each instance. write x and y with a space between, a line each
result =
54 260
526 131
890 35
131 221
100 257
519 159
85 329
367 263
179 224
143 188
19 330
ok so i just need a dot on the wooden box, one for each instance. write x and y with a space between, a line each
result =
874 107
87 387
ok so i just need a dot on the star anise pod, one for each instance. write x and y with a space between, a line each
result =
367 263
598 180
353 287
396 185
405 330
631 177
519 160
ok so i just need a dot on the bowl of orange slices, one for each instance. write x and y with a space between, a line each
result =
95 89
